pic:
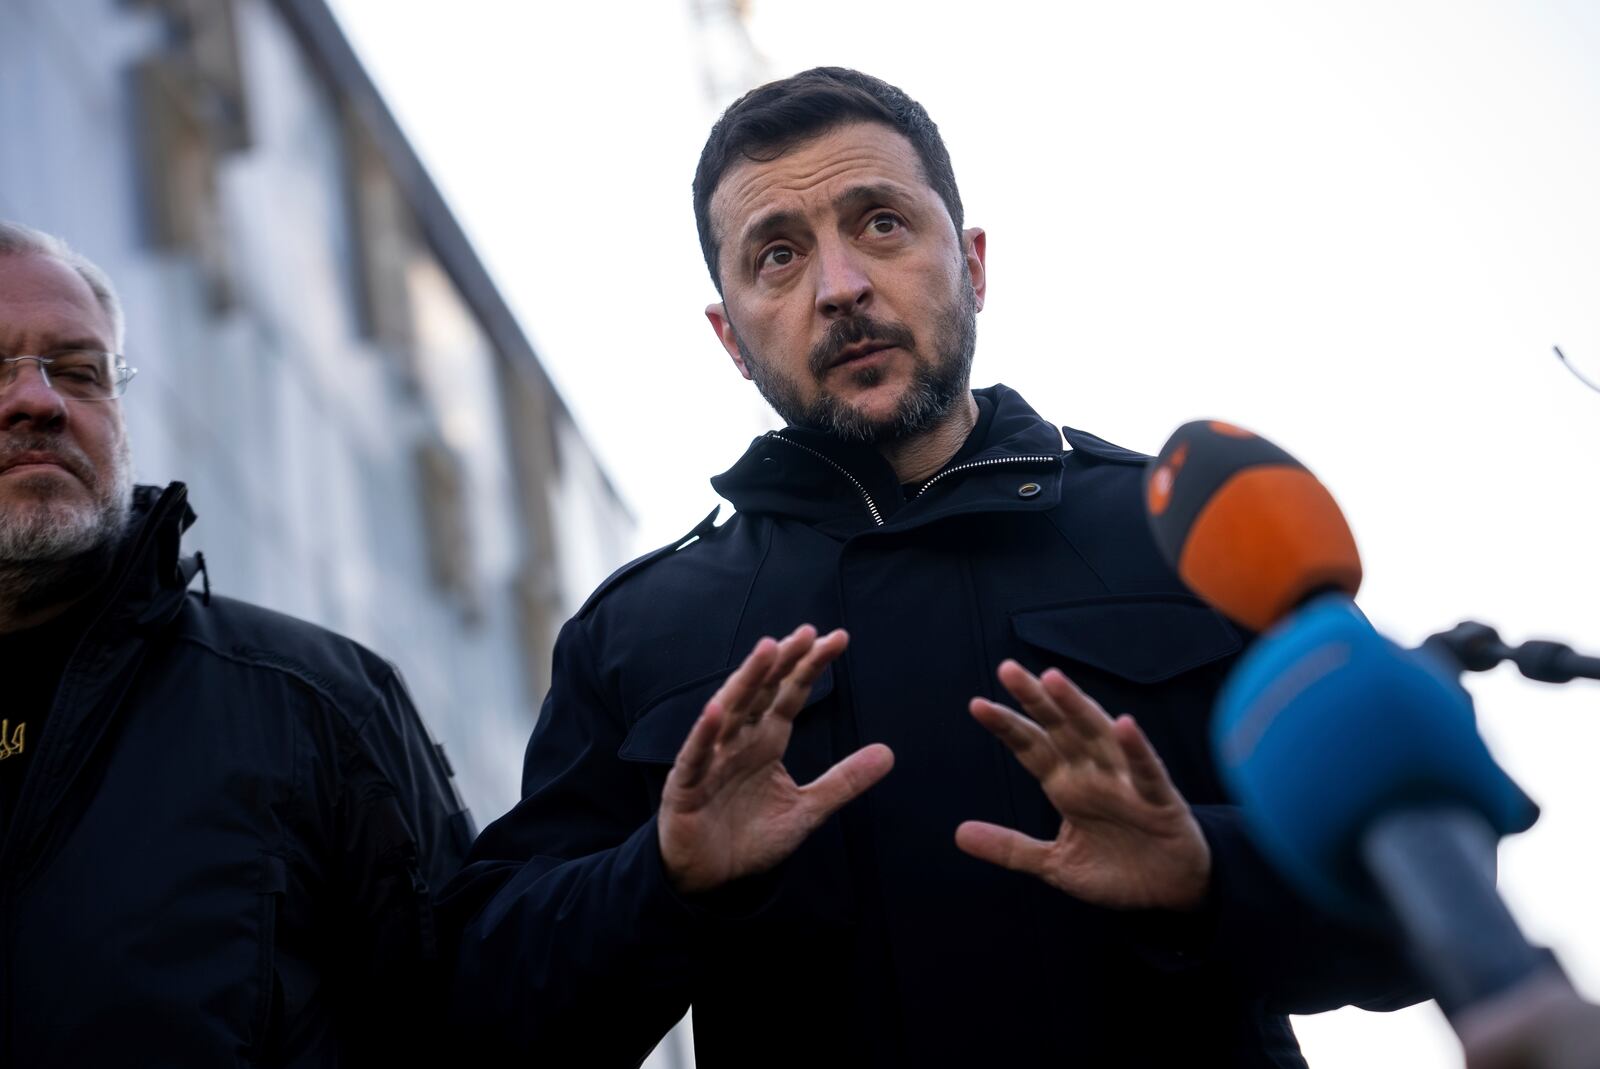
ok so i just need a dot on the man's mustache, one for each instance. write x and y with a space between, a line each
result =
843 333
58 449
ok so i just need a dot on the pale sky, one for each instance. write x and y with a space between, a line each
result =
1357 228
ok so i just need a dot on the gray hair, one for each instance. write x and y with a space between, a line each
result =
17 240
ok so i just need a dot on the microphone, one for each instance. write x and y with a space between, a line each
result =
1253 532
1245 525
1363 779
1357 765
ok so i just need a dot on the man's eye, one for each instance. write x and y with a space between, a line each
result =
884 223
782 256
78 367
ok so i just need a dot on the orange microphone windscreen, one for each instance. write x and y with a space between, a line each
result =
1245 525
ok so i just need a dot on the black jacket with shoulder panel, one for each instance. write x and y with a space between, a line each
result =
224 851
878 942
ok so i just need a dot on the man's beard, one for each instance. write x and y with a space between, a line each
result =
934 388
40 528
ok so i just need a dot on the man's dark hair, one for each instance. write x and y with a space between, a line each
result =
766 122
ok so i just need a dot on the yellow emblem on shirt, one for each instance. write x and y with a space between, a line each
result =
10 741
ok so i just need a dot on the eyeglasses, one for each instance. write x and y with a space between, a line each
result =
76 374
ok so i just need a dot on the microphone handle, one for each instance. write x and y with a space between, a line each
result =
1435 868
1473 647
1554 662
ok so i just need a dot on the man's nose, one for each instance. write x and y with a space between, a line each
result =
843 288
26 397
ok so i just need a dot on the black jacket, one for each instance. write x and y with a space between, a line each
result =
878 942
223 851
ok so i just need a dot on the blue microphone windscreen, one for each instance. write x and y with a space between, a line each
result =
1325 725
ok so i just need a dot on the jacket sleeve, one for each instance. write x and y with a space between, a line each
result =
400 833
569 937
1300 958
1261 935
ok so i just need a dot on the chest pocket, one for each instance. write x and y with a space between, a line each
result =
658 733
1159 657
1140 638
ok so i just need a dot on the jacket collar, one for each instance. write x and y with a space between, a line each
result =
143 593
844 487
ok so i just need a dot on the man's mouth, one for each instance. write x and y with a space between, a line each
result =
33 461
859 351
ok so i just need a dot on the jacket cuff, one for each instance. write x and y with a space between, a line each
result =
1176 941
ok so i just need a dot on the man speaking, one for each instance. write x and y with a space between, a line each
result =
771 776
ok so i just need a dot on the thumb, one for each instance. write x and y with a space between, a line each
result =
844 781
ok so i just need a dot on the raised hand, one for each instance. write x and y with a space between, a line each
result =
730 808
1127 838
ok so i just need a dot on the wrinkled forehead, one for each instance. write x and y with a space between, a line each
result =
807 175
44 302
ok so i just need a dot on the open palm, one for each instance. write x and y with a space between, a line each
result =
730 808
1127 838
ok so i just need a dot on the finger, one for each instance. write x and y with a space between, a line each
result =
846 780
735 695
735 692
1040 704
1080 710
795 646
1074 736
694 756
1022 737
1079 726
765 725
1024 686
796 687
1073 700
1145 768
1004 847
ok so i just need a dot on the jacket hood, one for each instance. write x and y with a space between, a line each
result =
150 564
817 478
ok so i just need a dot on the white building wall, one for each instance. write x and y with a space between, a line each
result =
592 528
297 434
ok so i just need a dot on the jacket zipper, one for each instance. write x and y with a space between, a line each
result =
981 464
872 506
9 868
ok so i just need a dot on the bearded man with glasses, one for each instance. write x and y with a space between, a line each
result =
219 827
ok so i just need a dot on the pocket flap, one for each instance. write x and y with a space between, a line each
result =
658 734
1143 638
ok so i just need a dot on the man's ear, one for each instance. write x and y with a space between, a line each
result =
718 315
973 243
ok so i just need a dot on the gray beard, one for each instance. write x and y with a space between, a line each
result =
31 589
52 553
935 386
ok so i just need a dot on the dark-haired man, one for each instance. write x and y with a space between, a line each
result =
951 554
219 827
